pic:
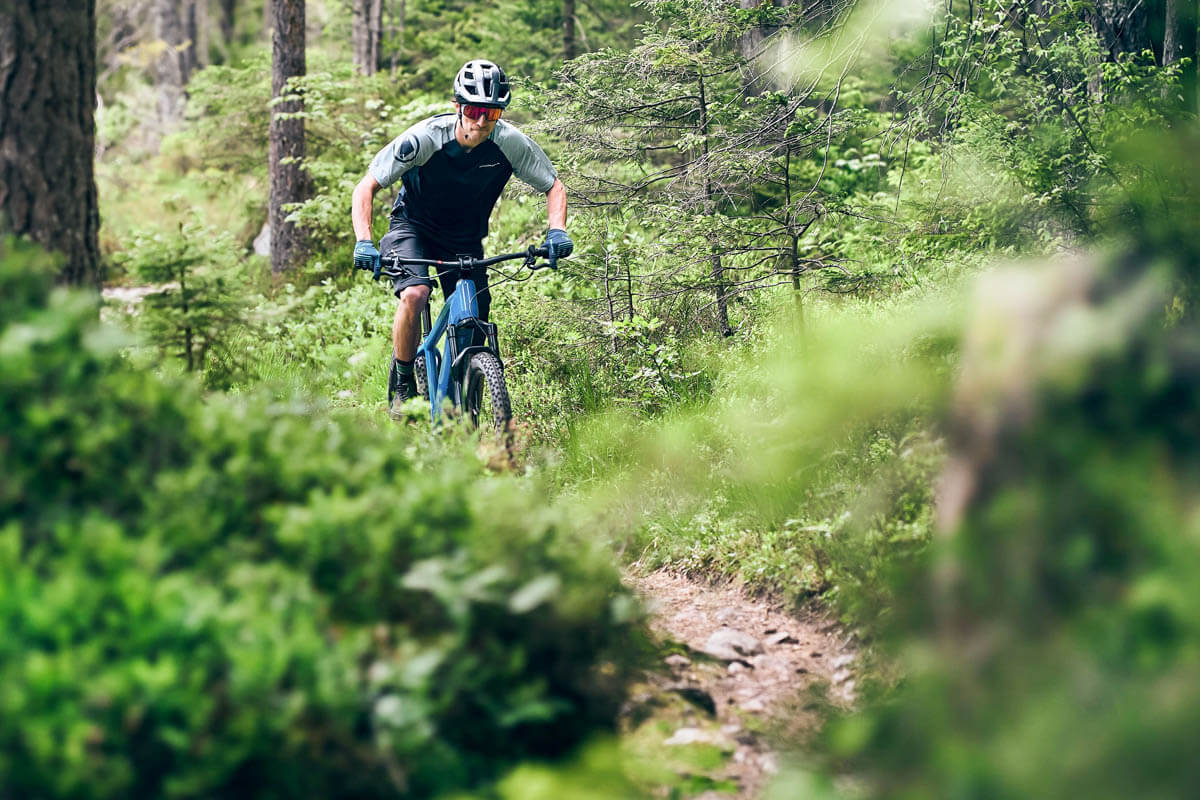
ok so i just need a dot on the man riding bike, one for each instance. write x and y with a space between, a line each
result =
452 168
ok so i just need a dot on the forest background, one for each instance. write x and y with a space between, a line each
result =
888 306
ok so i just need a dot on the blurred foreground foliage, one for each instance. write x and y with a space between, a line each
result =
254 598
1050 636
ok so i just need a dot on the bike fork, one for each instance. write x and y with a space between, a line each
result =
430 363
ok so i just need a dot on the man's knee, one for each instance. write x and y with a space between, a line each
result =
414 298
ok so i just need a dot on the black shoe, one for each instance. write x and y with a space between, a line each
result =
402 386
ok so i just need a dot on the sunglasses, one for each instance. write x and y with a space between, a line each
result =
489 113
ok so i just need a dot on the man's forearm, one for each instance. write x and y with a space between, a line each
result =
556 205
361 207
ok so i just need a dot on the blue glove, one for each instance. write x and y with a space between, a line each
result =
558 244
367 257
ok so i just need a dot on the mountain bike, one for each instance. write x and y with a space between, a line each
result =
468 371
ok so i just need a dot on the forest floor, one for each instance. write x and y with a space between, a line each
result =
739 674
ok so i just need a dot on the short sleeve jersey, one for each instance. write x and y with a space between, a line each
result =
448 192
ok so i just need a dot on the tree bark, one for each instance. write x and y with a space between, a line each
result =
375 29
1125 27
174 63
1179 42
367 33
289 181
751 41
190 35
396 30
47 130
199 34
569 48
228 14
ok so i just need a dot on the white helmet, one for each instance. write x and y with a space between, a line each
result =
482 83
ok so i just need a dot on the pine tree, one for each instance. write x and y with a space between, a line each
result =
680 107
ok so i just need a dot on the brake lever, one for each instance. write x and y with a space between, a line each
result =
533 254
531 257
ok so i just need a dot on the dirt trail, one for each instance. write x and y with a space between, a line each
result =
132 295
748 663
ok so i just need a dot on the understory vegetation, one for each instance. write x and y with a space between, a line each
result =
881 306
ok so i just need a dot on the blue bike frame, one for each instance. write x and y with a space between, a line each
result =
466 334
459 318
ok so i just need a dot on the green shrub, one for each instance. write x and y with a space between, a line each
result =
802 471
252 598
197 308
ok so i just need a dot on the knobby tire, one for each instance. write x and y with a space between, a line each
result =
420 377
486 394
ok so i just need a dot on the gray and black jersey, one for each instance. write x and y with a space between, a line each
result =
448 192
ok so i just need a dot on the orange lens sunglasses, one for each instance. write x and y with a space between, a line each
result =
490 113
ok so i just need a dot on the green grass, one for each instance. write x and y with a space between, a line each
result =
807 471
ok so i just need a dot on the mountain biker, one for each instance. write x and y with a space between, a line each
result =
452 168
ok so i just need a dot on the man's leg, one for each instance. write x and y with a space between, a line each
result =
406 327
406 330
412 291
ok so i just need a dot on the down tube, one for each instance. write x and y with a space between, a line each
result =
461 305
437 391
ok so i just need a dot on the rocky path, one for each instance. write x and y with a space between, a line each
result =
738 678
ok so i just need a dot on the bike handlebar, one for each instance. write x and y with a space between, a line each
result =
531 255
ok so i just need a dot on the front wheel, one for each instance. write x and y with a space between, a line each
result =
485 395
420 377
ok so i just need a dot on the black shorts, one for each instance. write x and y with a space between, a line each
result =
406 241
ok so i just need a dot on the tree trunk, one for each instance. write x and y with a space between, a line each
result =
569 49
190 35
376 31
629 286
375 36
791 216
1179 42
750 42
228 12
396 30
718 269
173 63
358 32
289 181
367 32
608 295
47 130
1125 27
200 34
